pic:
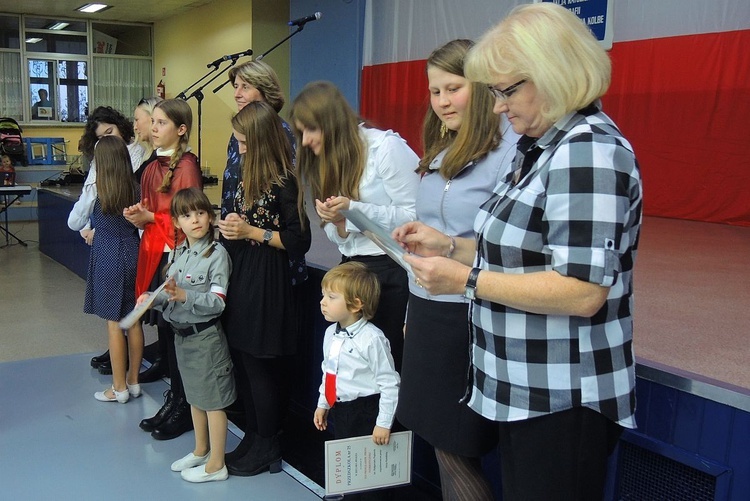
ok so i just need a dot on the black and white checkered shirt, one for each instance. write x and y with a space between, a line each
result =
574 206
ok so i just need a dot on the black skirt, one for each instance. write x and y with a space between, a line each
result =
262 310
434 379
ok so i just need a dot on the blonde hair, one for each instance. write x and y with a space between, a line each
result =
268 160
115 183
552 48
338 168
354 280
262 77
179 113
480 129
147 104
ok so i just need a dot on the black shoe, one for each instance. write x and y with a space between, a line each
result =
264 454
97 361
150 424
105 368
241 450
158 370
178 422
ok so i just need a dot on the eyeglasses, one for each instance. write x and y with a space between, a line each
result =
505 93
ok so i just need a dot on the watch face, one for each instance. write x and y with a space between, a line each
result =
267 235
469 293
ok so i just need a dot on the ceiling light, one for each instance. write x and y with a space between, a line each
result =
33 40
58 26
92 7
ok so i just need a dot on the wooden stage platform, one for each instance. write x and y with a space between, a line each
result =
692 299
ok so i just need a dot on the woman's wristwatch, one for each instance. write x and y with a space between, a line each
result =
471 284
267 236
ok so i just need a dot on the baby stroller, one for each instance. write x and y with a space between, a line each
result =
11 140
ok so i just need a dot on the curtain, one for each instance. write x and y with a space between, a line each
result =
121 82
11 90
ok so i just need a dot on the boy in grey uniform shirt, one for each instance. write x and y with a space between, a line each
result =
192 302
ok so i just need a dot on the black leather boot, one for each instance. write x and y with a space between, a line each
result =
264 454
98 360
158 370
150 424
178 422
242 448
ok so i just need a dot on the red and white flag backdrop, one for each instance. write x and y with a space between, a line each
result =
680 90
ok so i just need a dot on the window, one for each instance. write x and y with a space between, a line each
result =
58 90
56 70
9 33
56 66
121 39
11 80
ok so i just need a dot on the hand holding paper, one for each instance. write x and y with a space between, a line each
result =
141 307
378 235
175 293
422 240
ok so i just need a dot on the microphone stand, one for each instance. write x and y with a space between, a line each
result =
198 95
259 58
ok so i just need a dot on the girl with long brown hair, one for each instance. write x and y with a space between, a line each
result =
468 151
265 231
348 166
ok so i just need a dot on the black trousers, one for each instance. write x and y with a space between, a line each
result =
558 457
394 295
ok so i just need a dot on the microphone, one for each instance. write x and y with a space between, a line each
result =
301 21
248 52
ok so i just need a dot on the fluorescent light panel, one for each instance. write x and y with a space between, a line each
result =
33 40
59 26
92 7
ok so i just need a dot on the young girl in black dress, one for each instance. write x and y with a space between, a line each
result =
266 231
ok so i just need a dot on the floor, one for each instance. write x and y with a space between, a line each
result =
56 441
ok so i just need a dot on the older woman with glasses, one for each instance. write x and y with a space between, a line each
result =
550 272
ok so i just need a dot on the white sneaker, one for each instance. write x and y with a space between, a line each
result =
198 474
119 396
189 461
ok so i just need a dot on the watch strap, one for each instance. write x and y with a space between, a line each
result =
471 283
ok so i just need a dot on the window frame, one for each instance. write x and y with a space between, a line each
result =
60 58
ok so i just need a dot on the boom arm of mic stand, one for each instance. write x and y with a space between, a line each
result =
299 28
198 95
182 94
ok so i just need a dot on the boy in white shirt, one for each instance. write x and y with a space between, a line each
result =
360 384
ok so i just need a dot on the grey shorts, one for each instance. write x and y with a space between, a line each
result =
206 368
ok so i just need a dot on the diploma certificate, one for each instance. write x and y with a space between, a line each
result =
379 236
357 464
132 317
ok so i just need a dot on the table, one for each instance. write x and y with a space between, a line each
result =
6 192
